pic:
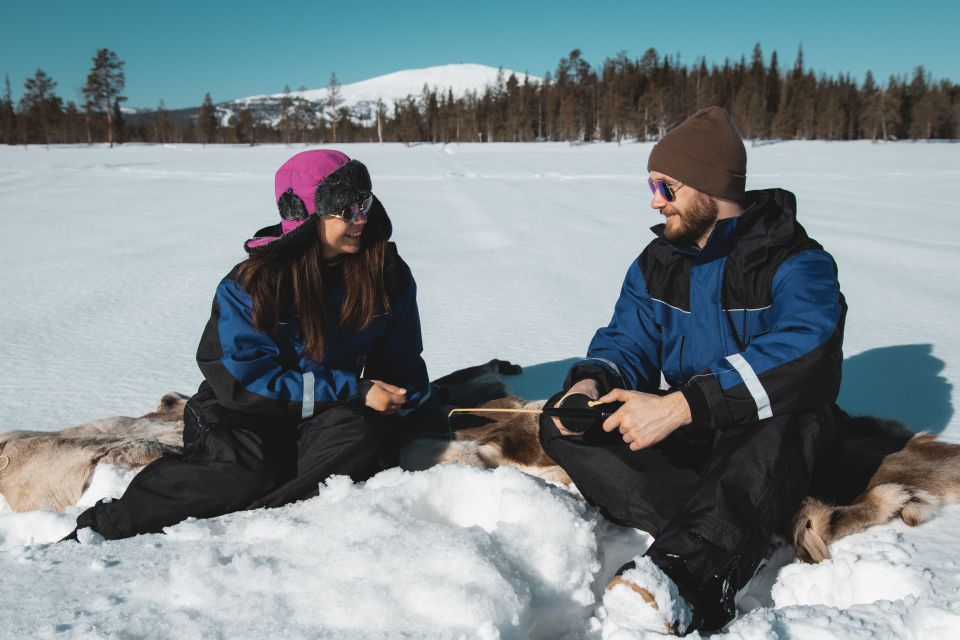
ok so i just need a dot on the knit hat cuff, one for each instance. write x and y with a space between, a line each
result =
695 172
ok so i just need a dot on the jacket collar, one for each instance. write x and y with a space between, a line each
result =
768 220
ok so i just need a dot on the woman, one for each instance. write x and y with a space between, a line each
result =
312 346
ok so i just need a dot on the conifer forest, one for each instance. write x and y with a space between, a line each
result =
619 99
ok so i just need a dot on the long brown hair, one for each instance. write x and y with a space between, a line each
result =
291 282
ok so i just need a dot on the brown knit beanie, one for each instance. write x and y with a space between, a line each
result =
706 152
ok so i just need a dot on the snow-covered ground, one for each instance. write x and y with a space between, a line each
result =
109 263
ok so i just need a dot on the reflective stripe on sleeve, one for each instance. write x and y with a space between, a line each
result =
753 385
308 391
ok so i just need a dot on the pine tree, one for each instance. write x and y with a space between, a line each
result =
40 107
457 113
431 111
8 116
286 115
119 122
305 118
244 129
548 109
160 123
870 113
105 82
333 102
929 109
794 117
955 114
381 116
750 104
772 91
890 109
72 123
207 121
830 122
568 93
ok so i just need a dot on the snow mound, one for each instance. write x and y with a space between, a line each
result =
870 571
879 583
456 550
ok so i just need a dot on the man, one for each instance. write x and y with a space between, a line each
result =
741 313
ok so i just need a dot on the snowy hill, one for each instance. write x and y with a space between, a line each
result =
360 98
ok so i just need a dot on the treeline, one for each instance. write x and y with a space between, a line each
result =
623 98
41 117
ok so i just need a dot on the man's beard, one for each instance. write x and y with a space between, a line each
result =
696 220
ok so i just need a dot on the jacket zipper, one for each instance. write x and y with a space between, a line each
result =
683 341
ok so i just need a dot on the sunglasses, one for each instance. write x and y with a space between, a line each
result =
354 211
667 191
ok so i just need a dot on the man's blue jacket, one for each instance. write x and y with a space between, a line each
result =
749 327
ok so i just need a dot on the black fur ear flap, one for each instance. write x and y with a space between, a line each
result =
291 206
346 185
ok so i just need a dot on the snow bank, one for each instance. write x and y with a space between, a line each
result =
447 552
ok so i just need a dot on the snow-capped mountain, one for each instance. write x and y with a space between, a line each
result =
360 98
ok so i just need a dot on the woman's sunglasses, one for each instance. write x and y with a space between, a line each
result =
667 191
354 211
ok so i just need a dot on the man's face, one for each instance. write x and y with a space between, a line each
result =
690 217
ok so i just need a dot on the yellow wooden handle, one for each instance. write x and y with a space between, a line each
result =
483 410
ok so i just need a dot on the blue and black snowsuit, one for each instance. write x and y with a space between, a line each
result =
749 329
269 423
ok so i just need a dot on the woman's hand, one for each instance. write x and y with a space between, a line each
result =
646 419
382 397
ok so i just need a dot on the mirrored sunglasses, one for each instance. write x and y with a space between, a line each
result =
354 211
667 191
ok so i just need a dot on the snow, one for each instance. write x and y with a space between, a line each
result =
625 610
110 260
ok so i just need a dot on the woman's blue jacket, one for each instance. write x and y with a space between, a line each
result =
269 374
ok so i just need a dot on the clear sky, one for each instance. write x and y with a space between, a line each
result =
178 50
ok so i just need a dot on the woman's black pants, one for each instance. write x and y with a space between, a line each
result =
712 499
225 469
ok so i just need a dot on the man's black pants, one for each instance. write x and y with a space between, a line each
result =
712 499
229 468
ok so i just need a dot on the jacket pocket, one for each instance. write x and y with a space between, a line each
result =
683 341
673 361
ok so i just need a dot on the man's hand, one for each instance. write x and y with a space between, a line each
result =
646 419
382 397
587 387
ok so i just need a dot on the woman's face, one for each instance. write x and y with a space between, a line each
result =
338 237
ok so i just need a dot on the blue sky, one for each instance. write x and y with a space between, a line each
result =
180 50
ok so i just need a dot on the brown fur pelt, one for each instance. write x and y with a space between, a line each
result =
912 483
499 440
51 469
910 476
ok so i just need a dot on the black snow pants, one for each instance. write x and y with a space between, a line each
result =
228 468
712 499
